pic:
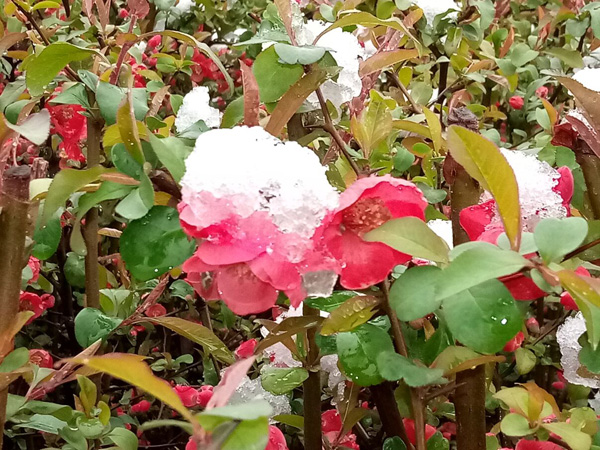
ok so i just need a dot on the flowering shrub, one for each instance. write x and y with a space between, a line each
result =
287 224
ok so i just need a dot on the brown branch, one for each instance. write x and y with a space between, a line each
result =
414 105
312 389
13 225
330 128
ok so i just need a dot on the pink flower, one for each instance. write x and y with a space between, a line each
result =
516 101
566 299
542 92
28 301
156 310
187 394
41 358
364 206
409 425
34 265
191 445
69 122
514 343
154 42
123 13
137 329
141 407
246 349
276 439
448 429
204 395
331 424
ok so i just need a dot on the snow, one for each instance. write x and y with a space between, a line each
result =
536 180
590 78
567 336
255 171
195 107
347 52
443 228
184 6
432 8
250 390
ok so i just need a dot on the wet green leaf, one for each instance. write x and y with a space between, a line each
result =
353 312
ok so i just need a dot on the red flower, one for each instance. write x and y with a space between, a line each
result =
205 68
276 439
187 394
542 92
41 358
409 425
566 299
34 265
514 343
246 349
524 444
137 329
331 424
516 101
191 445
123 13
204 395
364 206
141 407
28 301
448 429
533 325
154 42
156 310
70 124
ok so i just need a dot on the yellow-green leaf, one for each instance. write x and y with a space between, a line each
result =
576 439
380 61
373 126
485 163
353 312
128 129
435 128
199 334
133 370
412 236
412 127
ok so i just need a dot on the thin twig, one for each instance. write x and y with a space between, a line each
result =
330 128
414 105
581 249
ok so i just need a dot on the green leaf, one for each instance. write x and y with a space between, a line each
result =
307 54
358 351
88 393
75 95
35 128
490 312
525 360
484 162
109 97
515 425
394 443
247 435
403 159
65 183
48 424
412 236
244 411
42 68
128 129
46 238
280 381
557 237
91 324
393 367
172 153
14 360
352 313
437 442
477 264
234 113
521 54
123 438
74 438
332 302
74 270
273 77
571 58
154 244
199 334
576 439
589 357
414 294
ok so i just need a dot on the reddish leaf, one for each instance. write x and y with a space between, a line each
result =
138 8
251 96
229 382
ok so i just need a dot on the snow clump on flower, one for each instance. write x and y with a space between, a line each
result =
347 52
432 8
567 336
195 107
538 193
